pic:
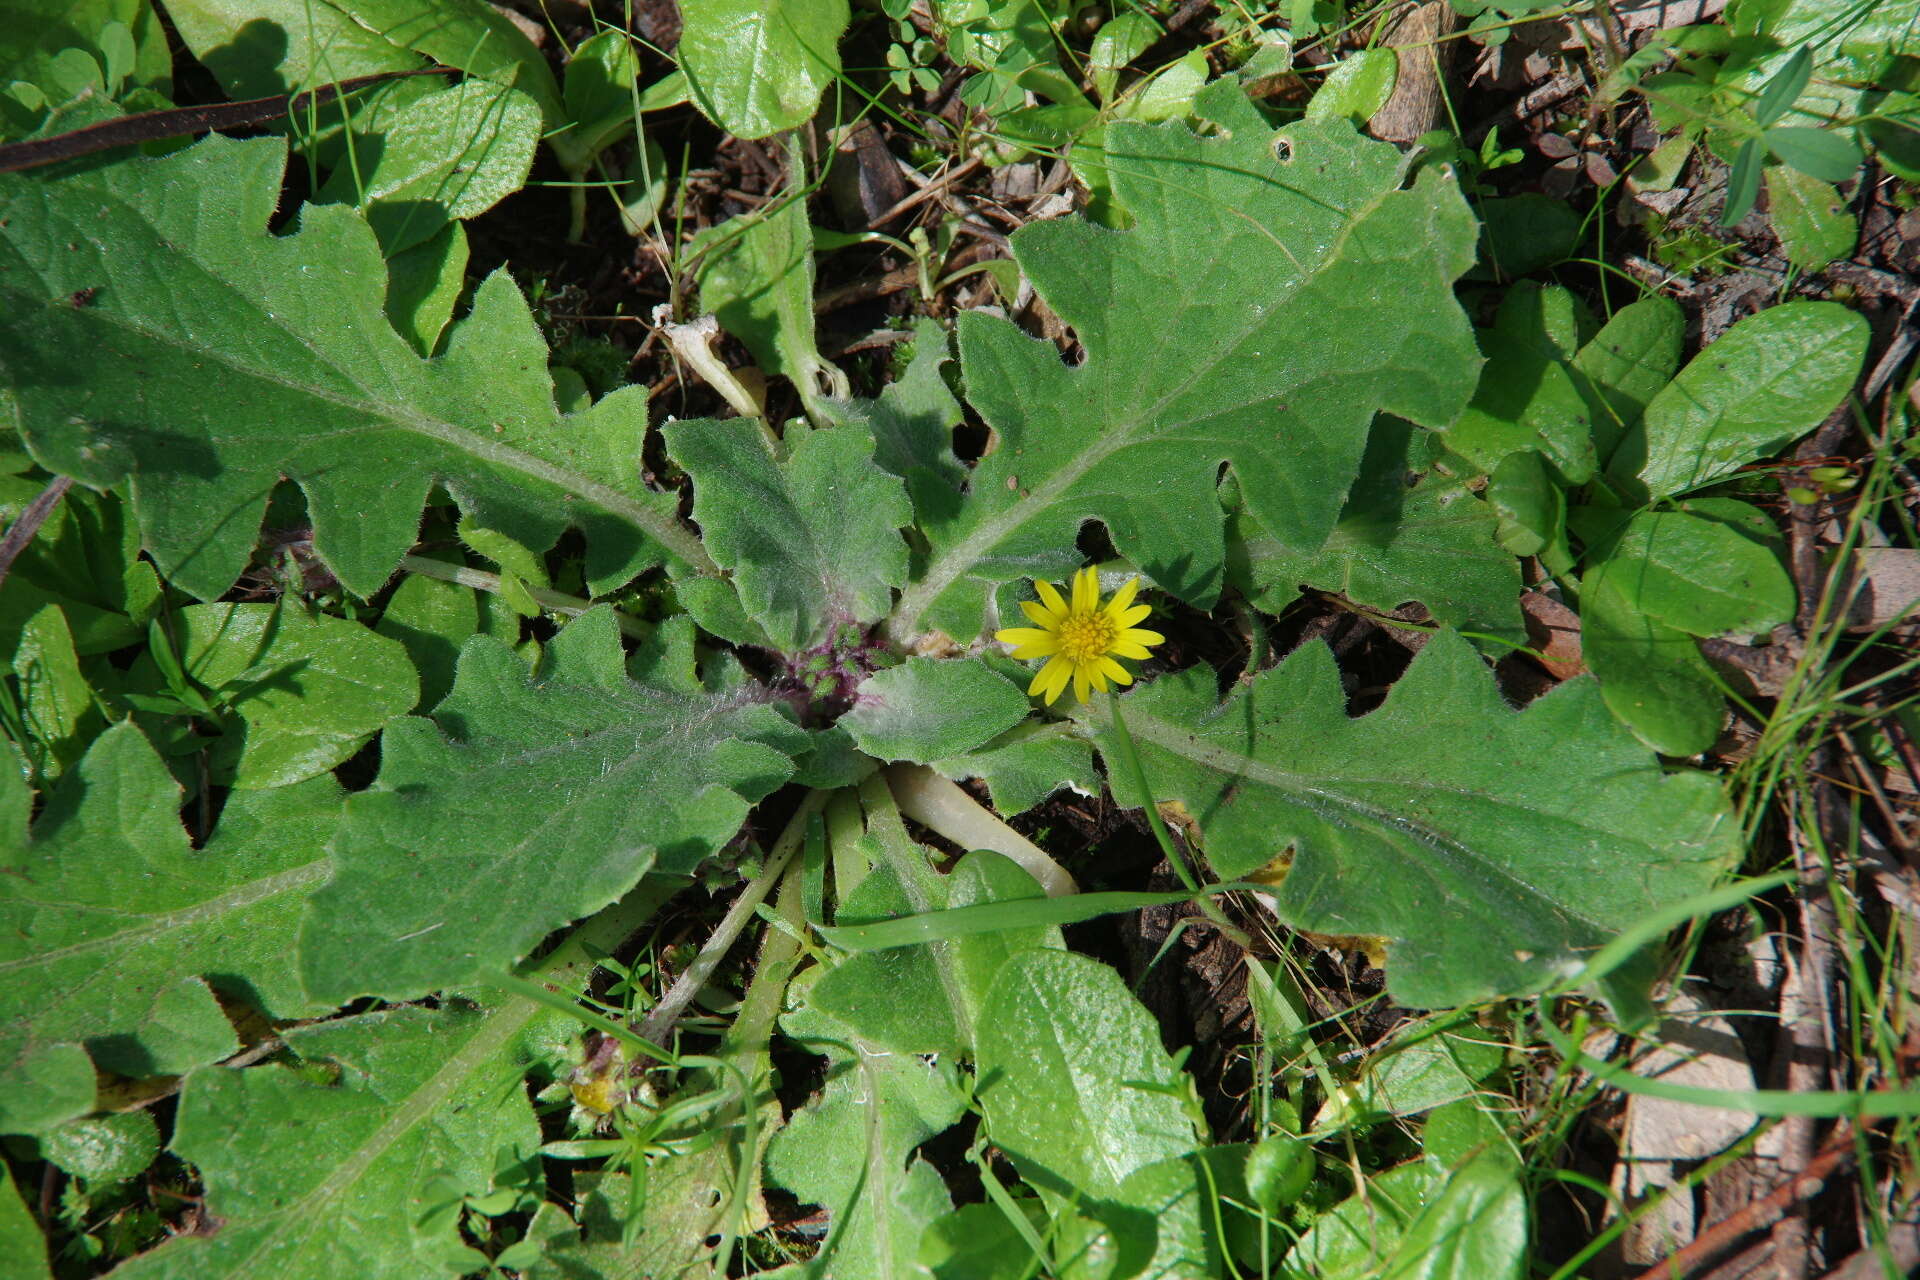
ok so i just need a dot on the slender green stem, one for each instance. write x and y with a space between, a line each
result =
481 580
661 1018
1137 774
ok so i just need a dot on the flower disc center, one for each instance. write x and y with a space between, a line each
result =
1086 636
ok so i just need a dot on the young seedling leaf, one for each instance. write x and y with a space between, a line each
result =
813 541
85 559
112 926
1651 675
257 48
454 153
851 1150
1743 182
930 998
1702 576
1264 306
1625 365
1810 217
755 275
1528 399
1072 1078
1477 1229
1529 502
758 66
1766 380
308 689
599 93
1027 764
555 793
1352 1239
927 709
1490 847
224 357
57 707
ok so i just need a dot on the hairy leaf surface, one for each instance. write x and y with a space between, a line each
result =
851 1150
1432 542
305 1176
221 357
112 927
1490 846
554 794
758 66
812 541
927 709
1262 308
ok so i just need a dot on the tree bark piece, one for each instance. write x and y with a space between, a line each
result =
1417 36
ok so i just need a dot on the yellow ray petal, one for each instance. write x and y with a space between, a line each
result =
1128 649
1026 635
1080 683
1121 599
1058 672
1114 671
1139 635
1051 598
1127 617
1039 613
1043 678
1086 590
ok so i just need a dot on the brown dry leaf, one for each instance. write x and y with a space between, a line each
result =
1553 630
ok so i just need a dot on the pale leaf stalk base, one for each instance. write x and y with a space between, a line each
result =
942 805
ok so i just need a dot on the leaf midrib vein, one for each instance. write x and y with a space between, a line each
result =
948 566
248 894
669 534
1169 738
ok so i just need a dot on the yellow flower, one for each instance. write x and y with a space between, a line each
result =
1079 639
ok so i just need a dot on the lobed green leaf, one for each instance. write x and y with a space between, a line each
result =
1490 847
1273 294
554 793
223 357
114 932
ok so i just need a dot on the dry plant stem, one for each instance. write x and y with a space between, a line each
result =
1137 774
30 521
1702 1249
928 192
480 580
940 804
659 1022
1870 780
693 343
1805 1023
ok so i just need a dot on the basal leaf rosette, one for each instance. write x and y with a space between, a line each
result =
1275 292
1492 847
